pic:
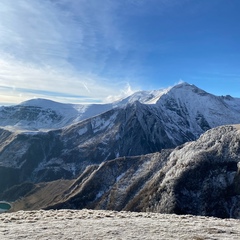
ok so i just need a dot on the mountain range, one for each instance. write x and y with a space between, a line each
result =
160 151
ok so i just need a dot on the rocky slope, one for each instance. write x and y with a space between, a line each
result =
201 177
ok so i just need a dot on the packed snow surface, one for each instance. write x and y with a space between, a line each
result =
92 224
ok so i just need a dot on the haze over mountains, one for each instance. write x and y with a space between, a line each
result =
127 155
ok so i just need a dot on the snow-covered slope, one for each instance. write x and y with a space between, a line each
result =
42 114
199 108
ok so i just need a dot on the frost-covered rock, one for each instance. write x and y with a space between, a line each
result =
202 177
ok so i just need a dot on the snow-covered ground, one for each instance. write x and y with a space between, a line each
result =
92 224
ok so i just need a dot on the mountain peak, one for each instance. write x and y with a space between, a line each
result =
41 102
182 84
186 88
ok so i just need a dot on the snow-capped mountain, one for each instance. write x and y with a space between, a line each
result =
80 135
178 102
43 114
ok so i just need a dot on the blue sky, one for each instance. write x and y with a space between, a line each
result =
94 51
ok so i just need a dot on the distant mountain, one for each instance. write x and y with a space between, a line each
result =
43 114
183 100
200 177
41 140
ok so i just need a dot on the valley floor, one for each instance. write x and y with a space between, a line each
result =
90 224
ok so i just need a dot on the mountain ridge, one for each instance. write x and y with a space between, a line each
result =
42 144
43 114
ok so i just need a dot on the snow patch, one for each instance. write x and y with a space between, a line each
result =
82 130
119 177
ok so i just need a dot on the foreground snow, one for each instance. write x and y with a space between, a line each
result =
90 224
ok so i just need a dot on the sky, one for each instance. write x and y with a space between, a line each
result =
97 51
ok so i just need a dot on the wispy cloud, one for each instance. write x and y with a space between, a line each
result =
20 82
31 32
58 48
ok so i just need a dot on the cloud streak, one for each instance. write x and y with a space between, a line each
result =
20 82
